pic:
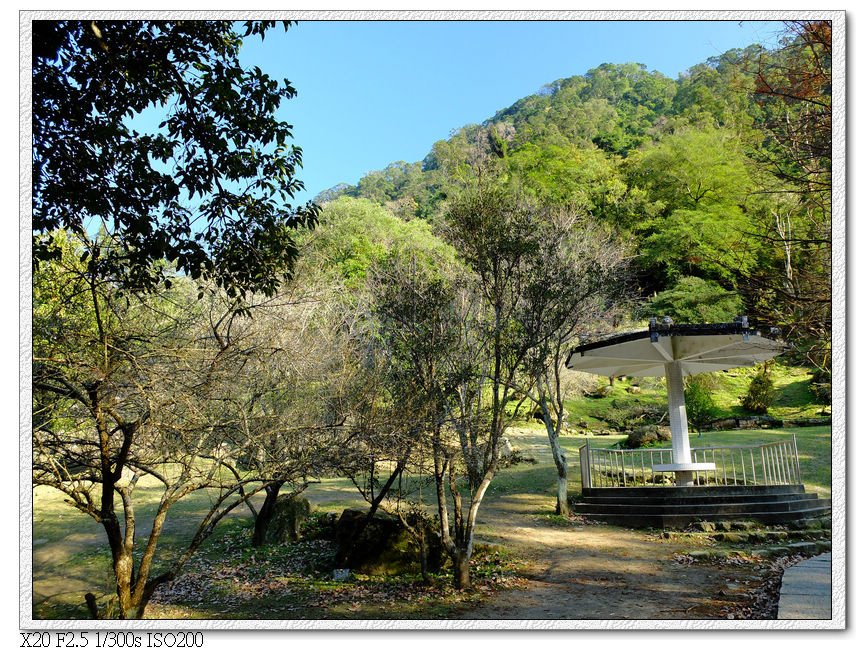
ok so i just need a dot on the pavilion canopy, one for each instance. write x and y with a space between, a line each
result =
698 348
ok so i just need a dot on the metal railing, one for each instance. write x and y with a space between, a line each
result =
774 463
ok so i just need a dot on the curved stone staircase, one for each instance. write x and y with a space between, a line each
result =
677 507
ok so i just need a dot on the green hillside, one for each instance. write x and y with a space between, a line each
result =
706 179
620 404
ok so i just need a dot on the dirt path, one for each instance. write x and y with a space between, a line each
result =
597 572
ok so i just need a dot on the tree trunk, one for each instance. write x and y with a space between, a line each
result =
123 580
92 607
462 571
562 507
559 457
562 472
424 569
265 514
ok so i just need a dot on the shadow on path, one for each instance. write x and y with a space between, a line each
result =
600 572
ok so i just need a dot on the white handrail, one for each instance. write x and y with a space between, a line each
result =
776 464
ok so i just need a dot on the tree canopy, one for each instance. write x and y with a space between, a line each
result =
206 190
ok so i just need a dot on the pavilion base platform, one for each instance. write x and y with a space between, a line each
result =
679 507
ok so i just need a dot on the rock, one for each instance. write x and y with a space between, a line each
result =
806 548
777 551
810 422
707 554
634 390
600 392
384 546
341 575
758 537
646 435
288 516
700 555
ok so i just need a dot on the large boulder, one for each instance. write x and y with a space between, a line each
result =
383 546
646 435
290 512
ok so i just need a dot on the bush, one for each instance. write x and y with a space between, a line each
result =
699 402
761 393
626 415
821 386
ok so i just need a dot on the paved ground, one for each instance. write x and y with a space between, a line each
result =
806 590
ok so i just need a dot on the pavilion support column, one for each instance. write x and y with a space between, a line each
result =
678 420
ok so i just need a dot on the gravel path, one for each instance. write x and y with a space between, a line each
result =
599 572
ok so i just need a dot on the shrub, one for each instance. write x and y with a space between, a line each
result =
761 393
821 386
699 402
625 415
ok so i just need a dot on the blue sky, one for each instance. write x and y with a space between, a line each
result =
371 93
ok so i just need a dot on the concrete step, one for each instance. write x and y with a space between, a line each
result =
696 491
677 507
698 508
685 500
682 520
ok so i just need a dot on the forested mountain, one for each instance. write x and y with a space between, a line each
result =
717 181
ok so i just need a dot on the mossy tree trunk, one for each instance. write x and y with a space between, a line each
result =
265 513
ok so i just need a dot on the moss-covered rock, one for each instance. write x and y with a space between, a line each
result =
289 515
383 546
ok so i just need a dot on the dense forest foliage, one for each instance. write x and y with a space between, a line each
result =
429 304
717 181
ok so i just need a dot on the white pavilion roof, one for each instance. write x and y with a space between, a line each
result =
699 348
